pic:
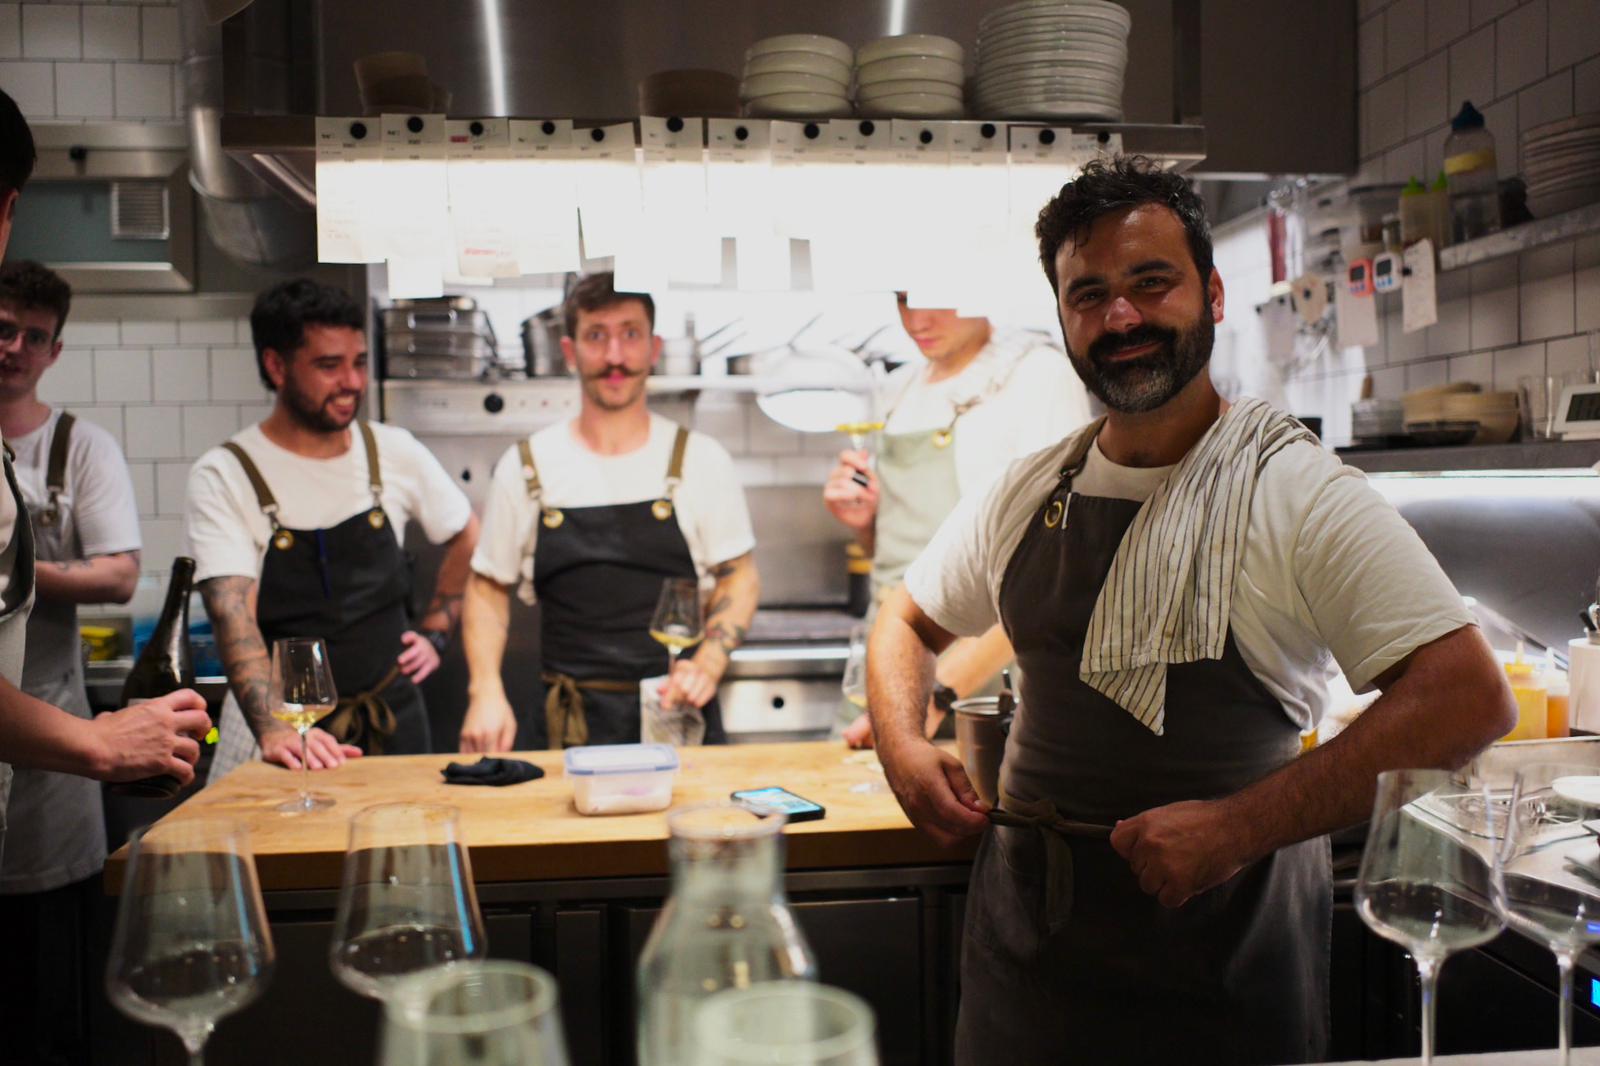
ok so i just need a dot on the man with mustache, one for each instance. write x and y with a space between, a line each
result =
295 525
1180 580
588 518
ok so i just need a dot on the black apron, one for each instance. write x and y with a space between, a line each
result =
349 585
597 572
1070 961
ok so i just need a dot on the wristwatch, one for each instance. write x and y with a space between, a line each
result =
944 697
438 638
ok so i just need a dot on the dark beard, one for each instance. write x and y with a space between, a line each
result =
1143 384
313 416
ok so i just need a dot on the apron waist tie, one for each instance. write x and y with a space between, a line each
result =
566 722
366 716
1054 832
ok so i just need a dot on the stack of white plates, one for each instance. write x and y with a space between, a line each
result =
1049 59
798 74
1561 164
913 75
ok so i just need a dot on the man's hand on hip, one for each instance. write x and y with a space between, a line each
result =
1181 850
933 790
419 657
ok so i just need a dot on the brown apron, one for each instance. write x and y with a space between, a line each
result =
1065 958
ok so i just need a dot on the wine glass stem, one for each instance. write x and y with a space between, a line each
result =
1564 965
305 772
1428 977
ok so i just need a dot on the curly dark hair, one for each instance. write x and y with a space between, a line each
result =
1116 184
29 286
282 313
597 292
17 154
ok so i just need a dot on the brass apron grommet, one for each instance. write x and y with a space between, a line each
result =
553 518
662 509
283 540
1052 514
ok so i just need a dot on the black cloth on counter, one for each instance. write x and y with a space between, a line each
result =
487 771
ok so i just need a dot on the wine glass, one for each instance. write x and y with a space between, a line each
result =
406 898
191 943
476 1014
854 682
1547 868
784 1023
676 622
302 695
1425 882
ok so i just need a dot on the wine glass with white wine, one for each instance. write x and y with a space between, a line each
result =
1426 883
854 682
191 943
302 695
676 622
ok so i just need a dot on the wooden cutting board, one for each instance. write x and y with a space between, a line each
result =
532 832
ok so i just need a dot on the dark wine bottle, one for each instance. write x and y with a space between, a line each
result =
165 665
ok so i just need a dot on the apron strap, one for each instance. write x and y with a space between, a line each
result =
566 721
1078 454
662 508
55 475
375 517
264 497
366 716
1053 832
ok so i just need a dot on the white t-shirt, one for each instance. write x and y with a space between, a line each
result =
1031 398
709 504
99 513
227 533
1332 578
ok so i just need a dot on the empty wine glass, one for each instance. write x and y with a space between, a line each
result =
1547 869
676 622
854 682
406 900
785 1023
302 694
191 943
1424 884
494 1013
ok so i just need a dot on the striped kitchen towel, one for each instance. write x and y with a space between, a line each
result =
1167 597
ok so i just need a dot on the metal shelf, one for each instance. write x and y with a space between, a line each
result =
1579 222
1522 456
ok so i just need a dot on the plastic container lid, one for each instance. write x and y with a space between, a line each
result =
1413 188
1468 118
600 759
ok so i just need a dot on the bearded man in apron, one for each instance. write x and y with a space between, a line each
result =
952 422
295 525
1179 581
589 517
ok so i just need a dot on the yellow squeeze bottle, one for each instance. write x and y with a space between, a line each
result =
1528 686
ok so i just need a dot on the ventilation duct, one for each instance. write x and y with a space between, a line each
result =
244 217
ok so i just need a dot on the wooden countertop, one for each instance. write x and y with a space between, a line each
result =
532 832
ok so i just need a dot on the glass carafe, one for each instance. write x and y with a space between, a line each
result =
726 924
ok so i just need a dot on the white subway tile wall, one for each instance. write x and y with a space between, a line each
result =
1521 64
69 62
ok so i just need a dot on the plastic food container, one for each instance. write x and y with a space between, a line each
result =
621 778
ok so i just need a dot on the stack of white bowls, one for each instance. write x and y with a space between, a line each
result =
1561 164
797 74
1048 59
913 75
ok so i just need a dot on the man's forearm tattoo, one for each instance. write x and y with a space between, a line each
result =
244 652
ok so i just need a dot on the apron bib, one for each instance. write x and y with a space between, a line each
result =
597 572
1064 956
14 615
348 584
58 831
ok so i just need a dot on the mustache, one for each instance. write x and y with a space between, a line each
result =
1113 343
608 371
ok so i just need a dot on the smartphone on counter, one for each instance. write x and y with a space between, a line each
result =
767 800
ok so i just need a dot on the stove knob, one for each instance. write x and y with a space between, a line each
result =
494 403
